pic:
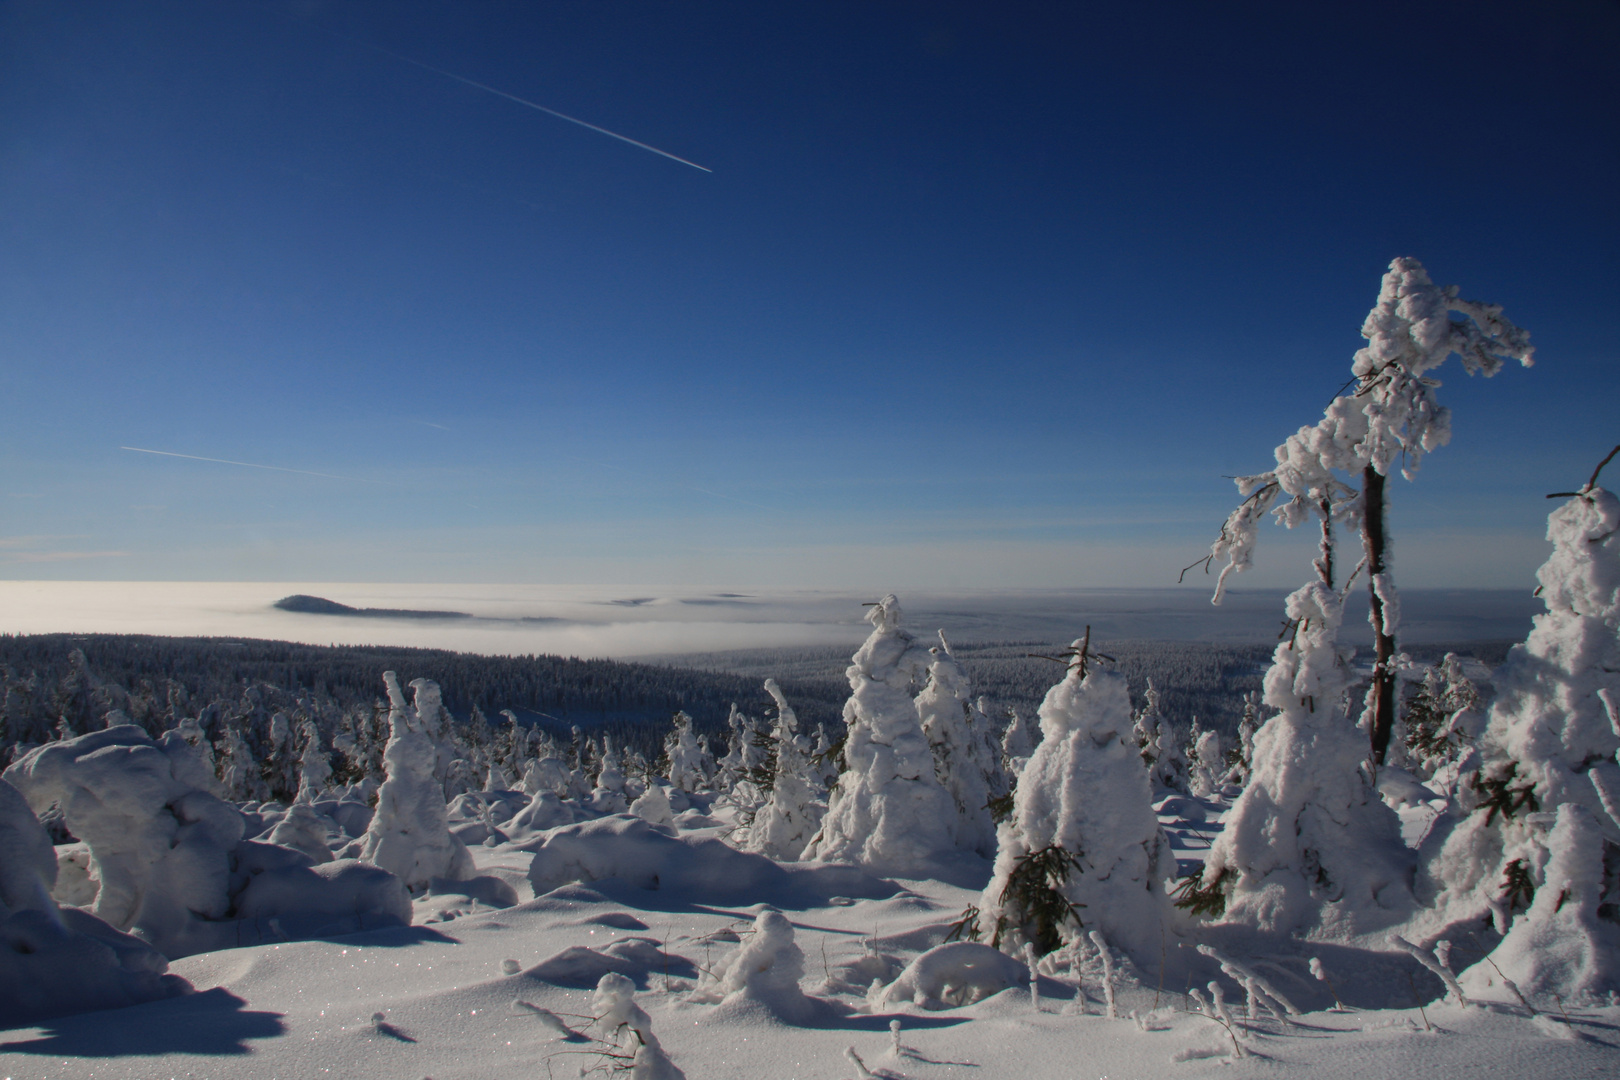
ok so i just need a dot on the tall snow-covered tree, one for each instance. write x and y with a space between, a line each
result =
1390 420
409 835
1550 742
888 810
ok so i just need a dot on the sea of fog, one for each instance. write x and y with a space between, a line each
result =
620 622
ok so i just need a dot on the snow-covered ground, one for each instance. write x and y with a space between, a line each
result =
465 993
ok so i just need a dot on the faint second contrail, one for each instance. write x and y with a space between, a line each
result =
247 464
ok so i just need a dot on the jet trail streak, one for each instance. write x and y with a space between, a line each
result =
532 105
247 464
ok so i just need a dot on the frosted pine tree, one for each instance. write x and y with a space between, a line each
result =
685 756
1240 759
785 824
1148 725
966 761
409 835
1550 742
1309 846
315 776
888 810
1170 769
1082 849
1206 762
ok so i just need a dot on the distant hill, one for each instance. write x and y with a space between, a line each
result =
319 605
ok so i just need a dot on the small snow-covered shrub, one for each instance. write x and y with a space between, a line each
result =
627 1027
765 969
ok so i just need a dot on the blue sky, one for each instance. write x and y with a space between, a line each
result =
980 295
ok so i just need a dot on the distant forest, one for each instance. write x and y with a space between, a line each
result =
54 683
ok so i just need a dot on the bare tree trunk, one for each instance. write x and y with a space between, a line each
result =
1376 539
1324 558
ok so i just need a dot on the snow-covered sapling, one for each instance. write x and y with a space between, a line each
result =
1320 974
1260 990
1433 964
628 1028
1390 420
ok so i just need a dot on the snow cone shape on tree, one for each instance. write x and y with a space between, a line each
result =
1309 845
1550 741
409 835
888 811
1082 845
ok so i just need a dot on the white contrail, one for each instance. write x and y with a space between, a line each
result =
248 464
532 105
492 90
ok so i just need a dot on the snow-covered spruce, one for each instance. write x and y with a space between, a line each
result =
1550 741
967 759
1082 845
784 825
409 835
888 811
685 758
1309 846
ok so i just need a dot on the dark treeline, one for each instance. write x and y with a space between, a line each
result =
75 680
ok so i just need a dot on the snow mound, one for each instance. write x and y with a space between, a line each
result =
636 958
952 975
54 962
684 870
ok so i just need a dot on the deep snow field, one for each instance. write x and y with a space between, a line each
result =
436 999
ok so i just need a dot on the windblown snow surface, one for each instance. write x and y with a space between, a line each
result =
475 991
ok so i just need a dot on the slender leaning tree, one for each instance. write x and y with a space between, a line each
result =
1335 472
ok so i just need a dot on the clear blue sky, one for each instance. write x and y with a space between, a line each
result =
975 295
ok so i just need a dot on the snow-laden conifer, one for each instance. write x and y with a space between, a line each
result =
315 772
409 835
1309 846
685 757
1550 741
1082 849
785 824
966 757
888 810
